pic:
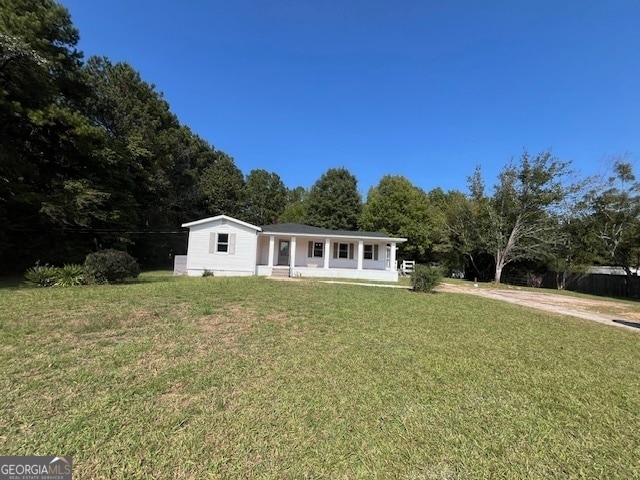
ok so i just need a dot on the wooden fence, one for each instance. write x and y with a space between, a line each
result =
591 283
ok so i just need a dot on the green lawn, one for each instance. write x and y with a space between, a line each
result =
191 378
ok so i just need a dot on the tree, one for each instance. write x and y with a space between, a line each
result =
461 225
295 210
266 197
398 208
222 184
614 208
334 201
46 142
90 154
516 223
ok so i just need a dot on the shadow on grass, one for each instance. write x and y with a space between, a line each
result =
12 283
627 323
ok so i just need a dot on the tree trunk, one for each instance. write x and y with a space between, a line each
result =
473 263
499 267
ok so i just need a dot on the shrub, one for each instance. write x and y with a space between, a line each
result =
70 275
425 278
110 266
207 273
42 275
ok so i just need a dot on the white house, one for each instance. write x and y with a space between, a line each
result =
227 246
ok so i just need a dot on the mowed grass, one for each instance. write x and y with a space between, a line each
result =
191 378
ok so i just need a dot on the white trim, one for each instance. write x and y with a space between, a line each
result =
335 237
220 217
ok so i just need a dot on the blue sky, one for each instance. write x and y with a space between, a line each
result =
423 89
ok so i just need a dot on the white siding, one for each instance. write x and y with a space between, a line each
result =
381 262
202 254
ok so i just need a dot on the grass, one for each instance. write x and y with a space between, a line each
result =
190 378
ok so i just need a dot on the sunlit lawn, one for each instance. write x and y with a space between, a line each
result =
250 378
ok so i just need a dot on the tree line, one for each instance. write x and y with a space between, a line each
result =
92 157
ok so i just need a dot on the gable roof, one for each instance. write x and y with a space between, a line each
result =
309 231
220 217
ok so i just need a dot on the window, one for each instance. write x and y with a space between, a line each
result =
343 250
371 252
222 243
315 249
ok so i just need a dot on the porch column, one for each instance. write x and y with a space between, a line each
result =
292 253
327 252
272 247
360 253
392 262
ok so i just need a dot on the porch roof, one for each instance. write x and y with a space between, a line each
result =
300 230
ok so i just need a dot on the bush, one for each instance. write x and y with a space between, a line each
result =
207 273
110 266
425 278
70 275
42 275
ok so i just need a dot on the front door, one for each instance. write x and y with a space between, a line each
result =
283 252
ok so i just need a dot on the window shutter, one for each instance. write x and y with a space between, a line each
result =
335 250
375 252
212 242
310 251
232 244
351 251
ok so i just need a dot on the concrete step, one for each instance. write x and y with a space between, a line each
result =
280 272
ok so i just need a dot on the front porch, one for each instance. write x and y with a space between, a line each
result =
327 257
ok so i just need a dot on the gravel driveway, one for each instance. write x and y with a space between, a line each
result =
603 311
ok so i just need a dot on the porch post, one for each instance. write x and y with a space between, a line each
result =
392 263
292 254
327 252
360 253
272 247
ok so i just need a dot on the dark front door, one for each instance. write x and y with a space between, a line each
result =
283 252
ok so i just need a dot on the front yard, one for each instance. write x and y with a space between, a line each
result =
190 378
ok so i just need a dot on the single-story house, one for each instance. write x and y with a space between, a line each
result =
226 246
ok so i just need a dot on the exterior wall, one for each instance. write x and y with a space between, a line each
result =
180 265
302 252
241 262
380 264
263 250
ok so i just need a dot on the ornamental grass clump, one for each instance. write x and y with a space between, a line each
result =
70 275
42 275
425 278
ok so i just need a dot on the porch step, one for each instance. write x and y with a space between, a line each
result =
280 272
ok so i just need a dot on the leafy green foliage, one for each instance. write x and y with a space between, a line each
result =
334 201
70 275
296 209
110 266
222 185
516 222
425 278
265 196
614 215
42 275
396 207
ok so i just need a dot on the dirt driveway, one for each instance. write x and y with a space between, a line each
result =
609 312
